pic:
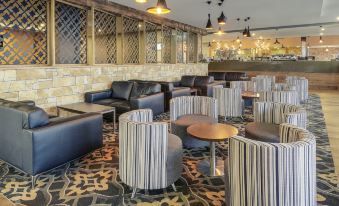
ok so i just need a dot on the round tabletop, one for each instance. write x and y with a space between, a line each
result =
249 94
212 132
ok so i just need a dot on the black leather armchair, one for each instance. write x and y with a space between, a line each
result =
228 76
203 84
33 143
129 95
169 90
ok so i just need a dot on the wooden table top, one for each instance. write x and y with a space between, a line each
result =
212 132
83 107
248 94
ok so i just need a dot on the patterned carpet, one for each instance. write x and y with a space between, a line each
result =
94 180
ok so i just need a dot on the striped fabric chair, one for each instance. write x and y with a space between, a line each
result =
230 102
149 157
272 174
301 84
188 110
244 85
264 83
278 113
284 87
289 97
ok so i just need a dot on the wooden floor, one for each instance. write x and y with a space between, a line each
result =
330 104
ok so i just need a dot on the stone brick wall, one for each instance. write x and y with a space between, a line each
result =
52 86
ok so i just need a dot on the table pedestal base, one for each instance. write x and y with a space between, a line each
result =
204 167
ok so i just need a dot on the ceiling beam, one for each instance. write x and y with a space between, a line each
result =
119 9
283 27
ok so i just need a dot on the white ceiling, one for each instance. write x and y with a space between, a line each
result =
263 13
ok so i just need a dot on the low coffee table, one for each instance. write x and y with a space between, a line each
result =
212 133
82 107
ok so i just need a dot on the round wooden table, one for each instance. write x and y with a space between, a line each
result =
212 133
250 95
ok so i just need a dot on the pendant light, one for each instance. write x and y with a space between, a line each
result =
276 41
220 31
141 1
238 39
161 8
222 19
248 32
244 33
209 23
321 40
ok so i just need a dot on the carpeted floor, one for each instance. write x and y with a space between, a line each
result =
94 180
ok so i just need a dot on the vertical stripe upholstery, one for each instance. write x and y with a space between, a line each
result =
284 87
185 105
273 174
278 113
142 150
301 84
244 85
289 97
264 83
229 101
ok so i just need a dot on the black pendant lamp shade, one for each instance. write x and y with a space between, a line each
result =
222 19
244 33
161 8
248 32
209 23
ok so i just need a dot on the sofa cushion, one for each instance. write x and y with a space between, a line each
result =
264 132
121 90
203 81
187 81
145 88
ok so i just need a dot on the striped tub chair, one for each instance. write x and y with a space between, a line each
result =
264 83
289 97
188 110
267 118
149 157
230 103
244 85
272 174
301 84
284 87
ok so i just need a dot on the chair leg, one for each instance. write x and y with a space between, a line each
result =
33 181
134 192
174 188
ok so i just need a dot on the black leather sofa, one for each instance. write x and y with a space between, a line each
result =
33 143
203 84
228 76
169 90
129 95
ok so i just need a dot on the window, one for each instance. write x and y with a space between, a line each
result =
70 34
131 40
23 28
105 38
151 42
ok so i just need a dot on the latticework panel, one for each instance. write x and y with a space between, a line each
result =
151 43
70 34
192 47
180 47
166 47
105 38
131 41
23 28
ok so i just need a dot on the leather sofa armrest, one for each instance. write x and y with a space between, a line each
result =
91 97
154 102
176 84
64 140
28 102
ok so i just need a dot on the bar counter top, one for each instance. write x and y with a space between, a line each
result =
276 66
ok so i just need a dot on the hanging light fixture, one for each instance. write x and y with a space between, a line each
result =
222 19
161 8
238 39
141 1
321 40
248 32
220 31
209 23
244 33
276 41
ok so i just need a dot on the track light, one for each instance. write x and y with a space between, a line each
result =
161 8
209 23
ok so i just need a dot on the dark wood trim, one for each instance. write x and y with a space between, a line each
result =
119 9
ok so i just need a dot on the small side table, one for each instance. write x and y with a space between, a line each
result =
83 107
212 133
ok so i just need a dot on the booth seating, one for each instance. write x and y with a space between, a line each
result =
228 76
